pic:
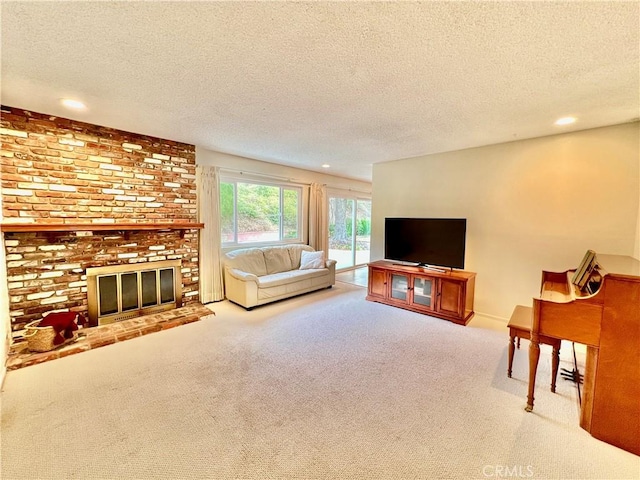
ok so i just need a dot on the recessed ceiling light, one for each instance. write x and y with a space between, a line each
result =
75 104
325 165
565 120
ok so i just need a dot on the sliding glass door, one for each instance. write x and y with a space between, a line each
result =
349 230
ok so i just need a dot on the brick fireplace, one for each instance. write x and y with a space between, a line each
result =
78 196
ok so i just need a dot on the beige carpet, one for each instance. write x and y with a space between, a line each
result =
323 386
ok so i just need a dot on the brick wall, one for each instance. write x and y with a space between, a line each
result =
56 170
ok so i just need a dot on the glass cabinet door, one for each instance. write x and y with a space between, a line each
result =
399 286
423 291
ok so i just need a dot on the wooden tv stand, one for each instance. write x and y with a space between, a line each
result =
447 295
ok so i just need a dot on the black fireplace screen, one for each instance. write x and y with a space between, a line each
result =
149 288
129 282
108 287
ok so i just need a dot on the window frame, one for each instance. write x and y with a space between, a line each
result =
281 185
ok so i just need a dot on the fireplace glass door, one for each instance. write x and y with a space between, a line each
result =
149 289
120 292
167 290
108 288
129 285
123 292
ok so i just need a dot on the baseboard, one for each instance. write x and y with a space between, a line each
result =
493 317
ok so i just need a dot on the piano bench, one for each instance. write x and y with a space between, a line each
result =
520 325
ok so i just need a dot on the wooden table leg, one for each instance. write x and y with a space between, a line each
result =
555 361
534 356
511 351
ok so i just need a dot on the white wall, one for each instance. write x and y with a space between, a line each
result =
530 205
223 160
637 249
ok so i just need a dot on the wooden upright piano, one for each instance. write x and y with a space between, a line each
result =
601 310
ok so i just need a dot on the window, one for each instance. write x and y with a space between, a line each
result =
349 230
259 212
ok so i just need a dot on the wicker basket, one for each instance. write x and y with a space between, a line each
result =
40 339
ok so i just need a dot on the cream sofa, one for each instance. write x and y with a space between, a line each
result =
255 276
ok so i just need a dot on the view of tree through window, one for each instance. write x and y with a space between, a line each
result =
254 213
349 230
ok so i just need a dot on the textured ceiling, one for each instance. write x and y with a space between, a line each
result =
344 83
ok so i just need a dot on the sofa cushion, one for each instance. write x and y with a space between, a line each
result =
303 285
310 260
277 259
295 251
292 276
250 260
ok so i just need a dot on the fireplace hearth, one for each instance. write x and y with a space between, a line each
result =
92 338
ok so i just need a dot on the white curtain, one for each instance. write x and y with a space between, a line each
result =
318 218
208 183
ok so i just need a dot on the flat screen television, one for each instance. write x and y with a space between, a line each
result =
426 241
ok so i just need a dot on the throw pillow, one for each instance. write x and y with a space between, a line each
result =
309 260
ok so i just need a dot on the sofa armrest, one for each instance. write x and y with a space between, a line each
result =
244 276
331 265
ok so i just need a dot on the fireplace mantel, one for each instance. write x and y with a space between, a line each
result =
54 228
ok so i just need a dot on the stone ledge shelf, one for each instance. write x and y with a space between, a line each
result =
52 229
